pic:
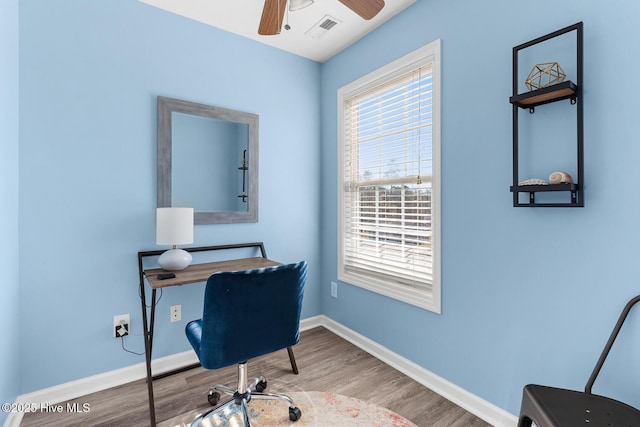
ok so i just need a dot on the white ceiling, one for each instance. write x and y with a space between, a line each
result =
243 17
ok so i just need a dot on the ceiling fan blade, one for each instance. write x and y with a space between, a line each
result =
367 9
272 15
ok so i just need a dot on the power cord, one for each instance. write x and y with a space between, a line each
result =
126 331
129 351
122 330
140 294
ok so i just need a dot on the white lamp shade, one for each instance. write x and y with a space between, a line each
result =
174 226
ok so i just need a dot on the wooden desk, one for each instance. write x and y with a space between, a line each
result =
195 273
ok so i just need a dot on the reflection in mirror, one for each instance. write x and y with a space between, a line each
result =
209 156
207 159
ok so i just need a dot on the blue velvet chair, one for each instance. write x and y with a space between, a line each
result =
247 314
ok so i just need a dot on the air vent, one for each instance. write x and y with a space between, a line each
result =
323 26
328 24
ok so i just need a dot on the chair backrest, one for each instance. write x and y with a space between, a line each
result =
250 313
612 338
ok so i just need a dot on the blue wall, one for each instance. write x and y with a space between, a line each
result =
90 74
9 196
528 295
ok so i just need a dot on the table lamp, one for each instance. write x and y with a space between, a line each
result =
174 226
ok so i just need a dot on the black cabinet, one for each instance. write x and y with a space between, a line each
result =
528 101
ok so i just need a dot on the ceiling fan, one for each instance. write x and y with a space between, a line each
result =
273 12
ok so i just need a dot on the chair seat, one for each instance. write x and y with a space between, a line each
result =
557 407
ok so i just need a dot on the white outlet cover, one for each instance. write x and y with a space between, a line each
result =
175 313
118 320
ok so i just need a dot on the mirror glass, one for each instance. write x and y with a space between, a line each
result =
207 159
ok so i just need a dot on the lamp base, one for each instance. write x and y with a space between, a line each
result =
175 259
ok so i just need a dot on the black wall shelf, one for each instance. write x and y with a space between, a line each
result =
529 100
564 90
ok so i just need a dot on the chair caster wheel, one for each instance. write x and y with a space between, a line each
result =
213 397
295 414
261 386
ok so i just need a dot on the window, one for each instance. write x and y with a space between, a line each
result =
389 195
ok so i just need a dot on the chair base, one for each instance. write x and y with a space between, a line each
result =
242 396
557 407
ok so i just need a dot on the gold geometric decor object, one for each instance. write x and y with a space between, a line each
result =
543 75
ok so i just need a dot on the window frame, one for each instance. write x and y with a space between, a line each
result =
427 55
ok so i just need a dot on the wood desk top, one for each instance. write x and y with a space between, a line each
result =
200 272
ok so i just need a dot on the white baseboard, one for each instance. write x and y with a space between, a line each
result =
95 383
490 413
74 389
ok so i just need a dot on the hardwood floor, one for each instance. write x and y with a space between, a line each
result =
326 363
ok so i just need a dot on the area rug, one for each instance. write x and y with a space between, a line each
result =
319 409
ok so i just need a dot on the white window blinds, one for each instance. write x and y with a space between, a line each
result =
386 206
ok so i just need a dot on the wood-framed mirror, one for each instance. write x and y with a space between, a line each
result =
208 160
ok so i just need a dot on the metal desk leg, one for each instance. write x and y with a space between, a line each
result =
148 341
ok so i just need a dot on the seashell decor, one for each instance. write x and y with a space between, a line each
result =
533 181
560 177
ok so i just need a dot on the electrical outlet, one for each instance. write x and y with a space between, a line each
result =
121 325
334 289
175 313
